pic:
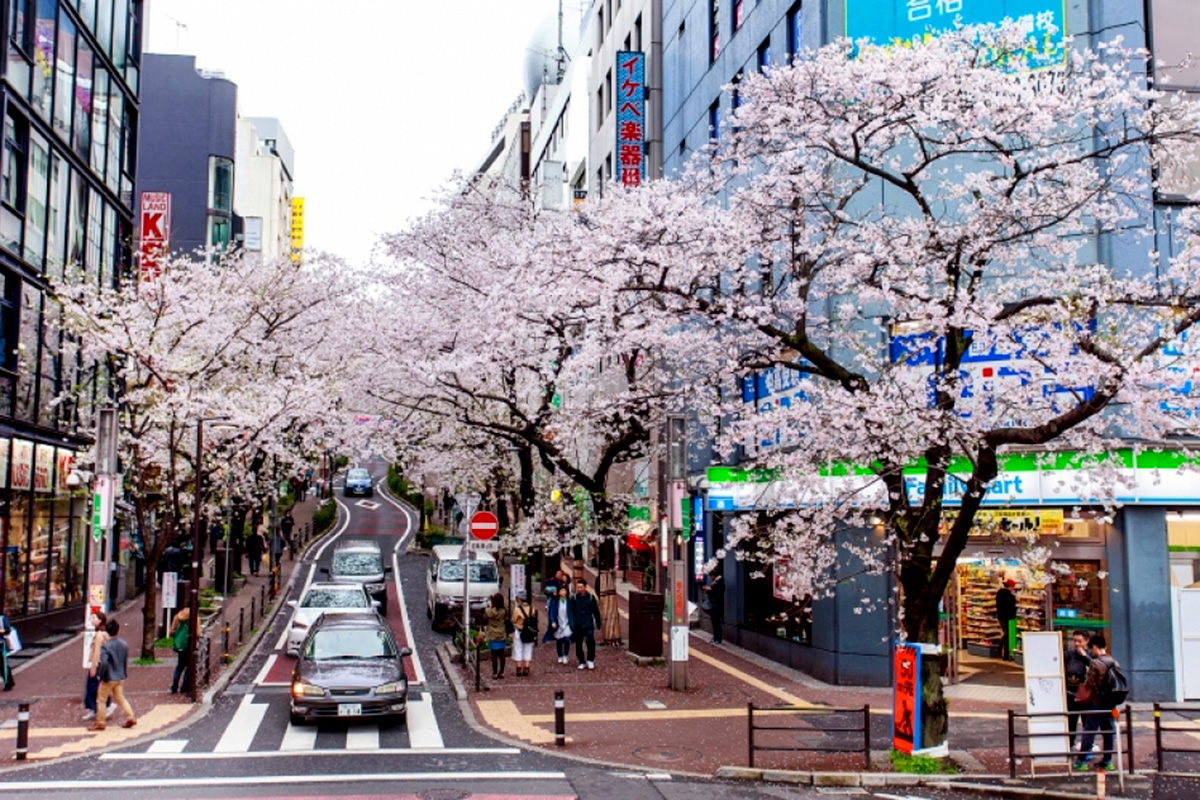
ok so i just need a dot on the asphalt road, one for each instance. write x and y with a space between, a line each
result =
246 747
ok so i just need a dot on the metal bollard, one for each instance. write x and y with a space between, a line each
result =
241 625
22 730
560 719
225 641
262 594
252 613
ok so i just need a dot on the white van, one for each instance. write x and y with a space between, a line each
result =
444 582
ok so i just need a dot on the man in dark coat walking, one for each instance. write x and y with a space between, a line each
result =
584 613
1006 611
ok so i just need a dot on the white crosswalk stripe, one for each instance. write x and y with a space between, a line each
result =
299 737
239 734
362 737
423 731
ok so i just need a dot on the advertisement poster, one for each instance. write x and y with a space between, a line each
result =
906 700
43 469
22 466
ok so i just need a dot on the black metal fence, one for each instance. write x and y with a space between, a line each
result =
816 722
1015 736
1182 718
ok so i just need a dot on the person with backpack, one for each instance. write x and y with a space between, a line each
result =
1076 666
525 627
1103 689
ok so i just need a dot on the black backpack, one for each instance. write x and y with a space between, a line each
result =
1114 688
529 629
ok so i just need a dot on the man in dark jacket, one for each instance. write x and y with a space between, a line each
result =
1096 680
112 671
1075 668
584 613
1006 612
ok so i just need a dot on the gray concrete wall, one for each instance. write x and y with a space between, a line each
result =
1139 598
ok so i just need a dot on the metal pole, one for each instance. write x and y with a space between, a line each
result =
194 605
1012 755
560 719
750 731
866 738
22 730
1158 735
1129 735
1116 718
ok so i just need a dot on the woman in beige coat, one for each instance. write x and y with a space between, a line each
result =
97 621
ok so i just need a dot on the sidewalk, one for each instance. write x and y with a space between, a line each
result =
625 714
56 678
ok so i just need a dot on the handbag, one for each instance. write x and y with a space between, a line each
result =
1084 694
13 641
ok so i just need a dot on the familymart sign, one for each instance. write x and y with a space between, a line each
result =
1145 478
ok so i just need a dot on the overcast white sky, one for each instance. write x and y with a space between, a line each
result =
381 99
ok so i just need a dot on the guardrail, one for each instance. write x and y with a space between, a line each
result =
1189 713
1115 714
807 713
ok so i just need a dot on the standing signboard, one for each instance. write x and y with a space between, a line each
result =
517 581
155 232
1045 693
170 590
631 118
906 699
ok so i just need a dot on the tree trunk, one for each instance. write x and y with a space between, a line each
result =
150 605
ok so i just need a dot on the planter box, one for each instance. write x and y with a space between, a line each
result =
987 651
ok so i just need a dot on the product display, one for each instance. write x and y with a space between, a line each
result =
979 580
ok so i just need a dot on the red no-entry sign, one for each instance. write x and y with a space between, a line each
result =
484 525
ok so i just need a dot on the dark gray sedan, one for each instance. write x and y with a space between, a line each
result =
349 667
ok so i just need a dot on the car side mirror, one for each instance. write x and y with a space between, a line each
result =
291 603
324 570
387 570
375 604
405 651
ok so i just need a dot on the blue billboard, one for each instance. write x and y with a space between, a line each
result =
904 21
631 118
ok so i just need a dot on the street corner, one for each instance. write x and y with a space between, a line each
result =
49 742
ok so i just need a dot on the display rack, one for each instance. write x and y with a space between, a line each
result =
978 612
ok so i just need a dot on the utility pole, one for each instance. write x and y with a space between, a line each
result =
104 492
677 580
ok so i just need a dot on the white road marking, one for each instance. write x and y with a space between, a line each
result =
341 529
172 782
370 505
239 733
299 737
365 737
281 643
383 751
262 673
168 746
418 670
423 731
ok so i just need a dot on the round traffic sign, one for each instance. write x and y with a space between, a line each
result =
484 525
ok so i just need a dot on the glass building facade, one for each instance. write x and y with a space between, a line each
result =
71 76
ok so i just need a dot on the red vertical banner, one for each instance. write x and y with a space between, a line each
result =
906 699
155 234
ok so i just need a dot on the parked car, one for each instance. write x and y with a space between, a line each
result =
360 561
320 599
444 582
349 667
358 481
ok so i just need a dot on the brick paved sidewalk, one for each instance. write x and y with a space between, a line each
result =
56 678
626 714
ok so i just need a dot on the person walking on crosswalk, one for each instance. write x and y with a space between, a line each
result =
112 672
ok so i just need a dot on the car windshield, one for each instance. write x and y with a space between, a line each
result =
356 564
334 598
350 643
358 475
481 571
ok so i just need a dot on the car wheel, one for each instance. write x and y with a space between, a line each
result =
296 719
439 617
402 718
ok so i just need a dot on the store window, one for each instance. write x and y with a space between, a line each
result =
772 611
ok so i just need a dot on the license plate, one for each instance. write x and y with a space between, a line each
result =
349 709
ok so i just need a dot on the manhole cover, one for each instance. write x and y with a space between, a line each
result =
665 755
443 794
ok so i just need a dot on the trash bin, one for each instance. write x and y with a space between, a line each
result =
646 624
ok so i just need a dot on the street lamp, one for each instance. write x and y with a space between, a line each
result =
194 604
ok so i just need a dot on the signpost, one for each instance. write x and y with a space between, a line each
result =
484 525
170 598
906 699
469 502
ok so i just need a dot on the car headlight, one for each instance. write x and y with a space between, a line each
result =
302 689
390 688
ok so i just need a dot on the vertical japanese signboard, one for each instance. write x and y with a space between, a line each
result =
631 118
297 229
906 699
902 22
155 234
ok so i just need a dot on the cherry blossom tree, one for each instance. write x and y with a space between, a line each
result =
887 218
259 349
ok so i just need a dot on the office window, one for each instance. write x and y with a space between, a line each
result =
27 357
64 76
220 184
629 42
737 15
35 205
76 220
736 98
218 232
104 24
43 73
10 287
83 100
764 54
608 93
120 32
100 114
12 188
714 121
682 148
116 113
20 30
600 24
599 107
87 12
714 16
795 30
95 234
608 17
56 215
637 32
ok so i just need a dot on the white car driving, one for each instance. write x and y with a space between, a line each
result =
323 598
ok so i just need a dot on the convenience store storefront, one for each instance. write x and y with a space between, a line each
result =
1108 572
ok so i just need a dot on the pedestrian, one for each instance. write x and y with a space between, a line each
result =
286 525
1006 612
525 627
112 672
254 551
6 677
1075 669
276 549
496 630
715 592
216 532
1094 691
557 582
181 633
559 627
584 615
99 621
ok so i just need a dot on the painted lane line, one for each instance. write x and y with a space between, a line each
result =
299 737
423 731
281 643
383 751
168 746
249 780
418 670
410 526
363 738
266 670
340 530
240 731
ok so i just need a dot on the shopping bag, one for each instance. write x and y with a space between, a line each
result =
14 641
